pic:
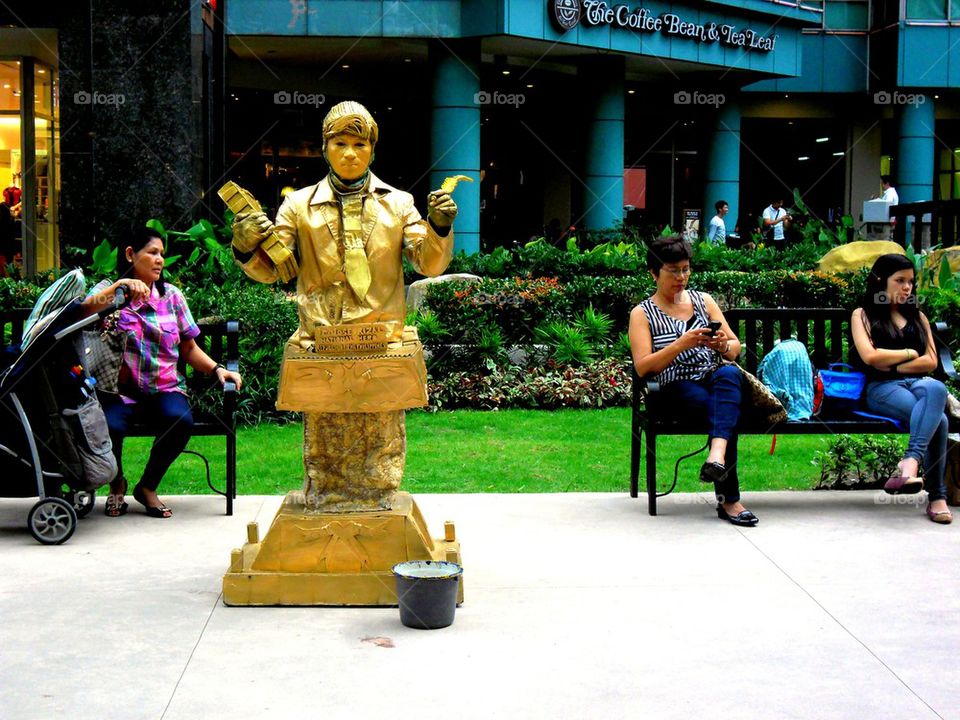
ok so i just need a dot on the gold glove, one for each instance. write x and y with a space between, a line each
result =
442 208
248 221
249 230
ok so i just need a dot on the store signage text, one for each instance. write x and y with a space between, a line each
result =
567 13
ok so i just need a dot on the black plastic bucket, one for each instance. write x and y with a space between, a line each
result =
427 592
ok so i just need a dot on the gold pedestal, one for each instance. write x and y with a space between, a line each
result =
344 558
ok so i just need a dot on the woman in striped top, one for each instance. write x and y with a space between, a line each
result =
673 344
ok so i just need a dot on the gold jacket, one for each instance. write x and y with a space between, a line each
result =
308 223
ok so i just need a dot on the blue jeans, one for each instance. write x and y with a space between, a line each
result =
920 402
166 414
716 398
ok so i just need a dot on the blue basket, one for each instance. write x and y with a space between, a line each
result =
843 384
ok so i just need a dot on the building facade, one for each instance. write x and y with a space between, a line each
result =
565 112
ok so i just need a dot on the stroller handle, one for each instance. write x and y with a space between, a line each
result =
121 297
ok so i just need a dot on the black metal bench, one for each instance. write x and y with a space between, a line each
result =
220 340
825 332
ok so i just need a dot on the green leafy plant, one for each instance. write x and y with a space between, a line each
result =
594 325
429 327
104 261
621 348
858 462
491 348
568 345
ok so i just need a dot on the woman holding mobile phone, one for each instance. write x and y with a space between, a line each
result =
679 338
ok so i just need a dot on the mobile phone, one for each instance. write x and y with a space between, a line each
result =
713 325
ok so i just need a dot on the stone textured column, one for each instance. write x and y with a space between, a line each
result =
455 132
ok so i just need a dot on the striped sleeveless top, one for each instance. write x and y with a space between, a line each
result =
692 364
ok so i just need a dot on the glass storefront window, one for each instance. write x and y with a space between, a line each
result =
11 163
9 85
927 9
47 135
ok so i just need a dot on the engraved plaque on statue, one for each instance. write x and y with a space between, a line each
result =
394 378
350 339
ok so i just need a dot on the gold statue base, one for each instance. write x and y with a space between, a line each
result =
333 558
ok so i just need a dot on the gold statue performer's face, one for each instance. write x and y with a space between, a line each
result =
348 155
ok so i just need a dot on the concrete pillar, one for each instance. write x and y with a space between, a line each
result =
913 176
602 82
455 132
723 167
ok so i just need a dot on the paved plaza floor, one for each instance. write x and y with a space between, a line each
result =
838 605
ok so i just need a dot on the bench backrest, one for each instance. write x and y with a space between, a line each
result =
825 332
218 338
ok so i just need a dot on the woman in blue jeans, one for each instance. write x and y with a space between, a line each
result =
897 351
673 345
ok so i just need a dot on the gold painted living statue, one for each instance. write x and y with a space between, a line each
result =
351 367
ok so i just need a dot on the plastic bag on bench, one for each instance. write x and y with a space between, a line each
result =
789 374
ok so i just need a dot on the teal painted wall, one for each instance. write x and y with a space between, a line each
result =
723 167
361 18
915 148
602 197
830 63
530 19
929 57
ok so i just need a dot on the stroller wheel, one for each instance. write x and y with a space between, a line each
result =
52 521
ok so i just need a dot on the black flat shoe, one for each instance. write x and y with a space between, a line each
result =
156 511
713 472
743 519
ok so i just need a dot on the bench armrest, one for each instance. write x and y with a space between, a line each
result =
231 359
943 350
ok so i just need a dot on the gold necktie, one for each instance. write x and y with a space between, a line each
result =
355 264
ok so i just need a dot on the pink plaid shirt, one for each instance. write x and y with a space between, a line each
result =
155 328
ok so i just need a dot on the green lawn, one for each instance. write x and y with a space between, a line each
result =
505 451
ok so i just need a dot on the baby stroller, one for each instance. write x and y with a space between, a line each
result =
59 448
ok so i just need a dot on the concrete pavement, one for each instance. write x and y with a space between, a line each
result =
838 605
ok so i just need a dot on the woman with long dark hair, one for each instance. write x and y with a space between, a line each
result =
895 344
159 329
672 342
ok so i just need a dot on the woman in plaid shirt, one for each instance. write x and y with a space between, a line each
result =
159 330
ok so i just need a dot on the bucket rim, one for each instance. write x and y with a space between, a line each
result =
453 569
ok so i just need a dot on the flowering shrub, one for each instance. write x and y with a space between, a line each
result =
605 383
515 306
18 293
